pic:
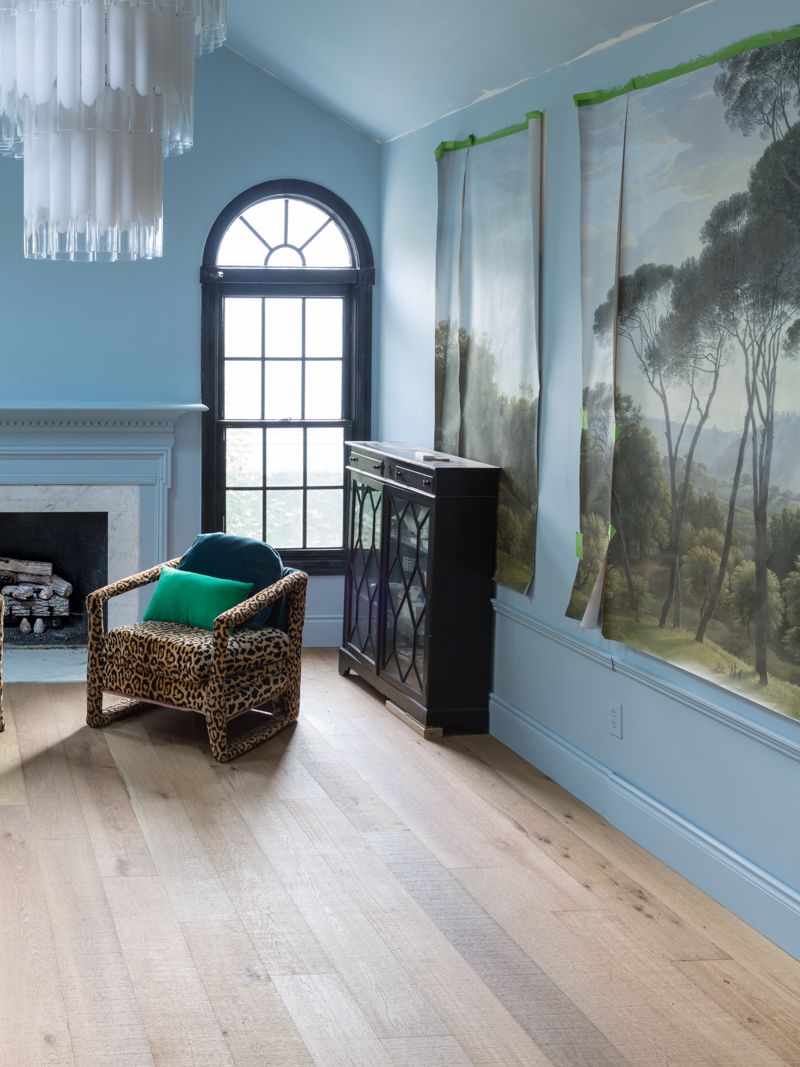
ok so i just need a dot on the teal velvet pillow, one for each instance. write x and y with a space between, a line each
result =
194 599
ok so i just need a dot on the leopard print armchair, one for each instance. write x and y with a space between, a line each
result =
219 674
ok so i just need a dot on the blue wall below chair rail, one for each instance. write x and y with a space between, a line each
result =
705 780
131 331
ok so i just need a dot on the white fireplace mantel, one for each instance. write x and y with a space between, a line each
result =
86 444
27 415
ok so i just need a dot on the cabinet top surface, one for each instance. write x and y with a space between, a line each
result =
426 457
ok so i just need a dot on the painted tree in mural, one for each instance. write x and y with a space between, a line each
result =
504 428
702 326
666 315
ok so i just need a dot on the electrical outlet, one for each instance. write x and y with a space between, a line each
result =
615 726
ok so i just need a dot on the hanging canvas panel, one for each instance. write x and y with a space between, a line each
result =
689 546
487 299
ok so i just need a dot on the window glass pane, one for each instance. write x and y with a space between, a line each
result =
240 247
323 390
325 461
304 221
282 389
243 328
285 518
328 249
242 389
243 459
285 457
266 218
324 329
243 513
285 257
324 522
283 328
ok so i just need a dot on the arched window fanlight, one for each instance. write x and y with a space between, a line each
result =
284 232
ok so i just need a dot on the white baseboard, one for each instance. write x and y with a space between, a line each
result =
770 906
322 631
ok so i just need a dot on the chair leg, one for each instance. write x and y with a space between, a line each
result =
287 708
217 726
290 697
94 703
122 709
255 737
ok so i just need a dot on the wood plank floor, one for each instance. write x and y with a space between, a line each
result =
347 895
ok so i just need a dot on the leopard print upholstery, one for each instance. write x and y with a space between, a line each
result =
2 721
184 652
176 693
219 674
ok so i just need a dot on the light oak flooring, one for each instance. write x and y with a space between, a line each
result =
347 895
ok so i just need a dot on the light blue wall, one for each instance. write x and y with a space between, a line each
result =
127 332
714 796
132 331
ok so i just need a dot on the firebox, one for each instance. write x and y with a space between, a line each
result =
71 546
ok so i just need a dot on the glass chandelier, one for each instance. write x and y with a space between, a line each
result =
93 95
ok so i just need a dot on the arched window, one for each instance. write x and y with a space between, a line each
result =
287 282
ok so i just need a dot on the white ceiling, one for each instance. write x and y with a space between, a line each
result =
389 68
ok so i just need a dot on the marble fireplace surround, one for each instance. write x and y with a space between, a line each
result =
96 456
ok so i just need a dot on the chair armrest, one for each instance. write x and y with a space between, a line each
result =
100 596
293 587
248 608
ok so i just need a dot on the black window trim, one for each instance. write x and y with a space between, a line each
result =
354 283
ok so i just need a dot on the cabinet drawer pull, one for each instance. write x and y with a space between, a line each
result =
354 458
377 466
427 481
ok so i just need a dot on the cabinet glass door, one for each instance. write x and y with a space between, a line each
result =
363 569
407 599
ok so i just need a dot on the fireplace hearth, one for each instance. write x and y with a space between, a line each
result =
73 547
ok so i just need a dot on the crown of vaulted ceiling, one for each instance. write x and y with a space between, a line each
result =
389 68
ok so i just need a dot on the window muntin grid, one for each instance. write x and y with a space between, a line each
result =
283 364
284 232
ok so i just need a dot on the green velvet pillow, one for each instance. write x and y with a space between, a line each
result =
194 599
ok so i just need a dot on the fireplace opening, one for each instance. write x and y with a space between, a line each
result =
74 545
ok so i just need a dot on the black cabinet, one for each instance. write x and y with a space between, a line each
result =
418 581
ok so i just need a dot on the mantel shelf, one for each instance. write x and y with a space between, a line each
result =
95 409
64 413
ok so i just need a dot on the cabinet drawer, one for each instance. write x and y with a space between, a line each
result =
413 479
367 464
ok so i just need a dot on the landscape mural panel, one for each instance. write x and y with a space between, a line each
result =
602 140
487 354
702 326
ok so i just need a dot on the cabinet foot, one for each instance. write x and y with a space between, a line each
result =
430 733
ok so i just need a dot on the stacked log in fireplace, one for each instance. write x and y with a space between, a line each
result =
32 595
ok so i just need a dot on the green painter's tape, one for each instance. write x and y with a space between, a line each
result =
472 140
614 433
584 419
611 531
579 545
646 80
